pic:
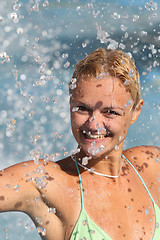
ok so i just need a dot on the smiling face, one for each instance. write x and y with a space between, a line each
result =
101 113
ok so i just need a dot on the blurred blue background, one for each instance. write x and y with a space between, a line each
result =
40 42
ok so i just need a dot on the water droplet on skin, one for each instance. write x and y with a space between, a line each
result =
41 230
85 160
75 109
120 138
131 72
40 182
92 119
101 75
39 220
127 82
156 160
17 188
52 210
116 147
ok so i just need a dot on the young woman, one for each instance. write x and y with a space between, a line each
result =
101 191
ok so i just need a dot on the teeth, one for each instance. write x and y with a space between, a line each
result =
95 136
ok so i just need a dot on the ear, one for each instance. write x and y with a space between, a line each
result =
137 111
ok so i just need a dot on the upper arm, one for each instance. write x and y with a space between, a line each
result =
15 191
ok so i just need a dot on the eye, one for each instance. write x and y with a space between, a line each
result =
81 109
112 113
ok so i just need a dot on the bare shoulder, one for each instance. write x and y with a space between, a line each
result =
27 180
146 159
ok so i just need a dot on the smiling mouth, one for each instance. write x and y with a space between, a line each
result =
89 135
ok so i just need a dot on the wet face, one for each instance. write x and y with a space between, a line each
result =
100 115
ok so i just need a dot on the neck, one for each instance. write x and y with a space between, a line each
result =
107 164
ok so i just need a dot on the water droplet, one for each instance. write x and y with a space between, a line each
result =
120 138
10 128
135 18
35 155
122 46
13 16
95 14
116 15
85 160
36 137
17 188
39 220
116 147
20 30
156 160
45 3
75 109
123 28
75 151
65 55
101 75
41 230
146 211
52 210
131 72
16 6
73 84
85 223
1 19
92 119
67 64
127 82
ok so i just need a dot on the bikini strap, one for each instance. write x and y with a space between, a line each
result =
140 178
80 180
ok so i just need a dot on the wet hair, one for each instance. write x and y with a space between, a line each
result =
113 62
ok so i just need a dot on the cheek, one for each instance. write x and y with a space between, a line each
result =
77 120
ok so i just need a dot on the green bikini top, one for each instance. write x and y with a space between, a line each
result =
86 229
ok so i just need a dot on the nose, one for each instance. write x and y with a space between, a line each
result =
95 122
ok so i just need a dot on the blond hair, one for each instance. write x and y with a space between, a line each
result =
114 62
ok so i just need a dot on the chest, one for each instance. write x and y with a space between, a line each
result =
123 210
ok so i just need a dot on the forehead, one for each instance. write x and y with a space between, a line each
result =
106 86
